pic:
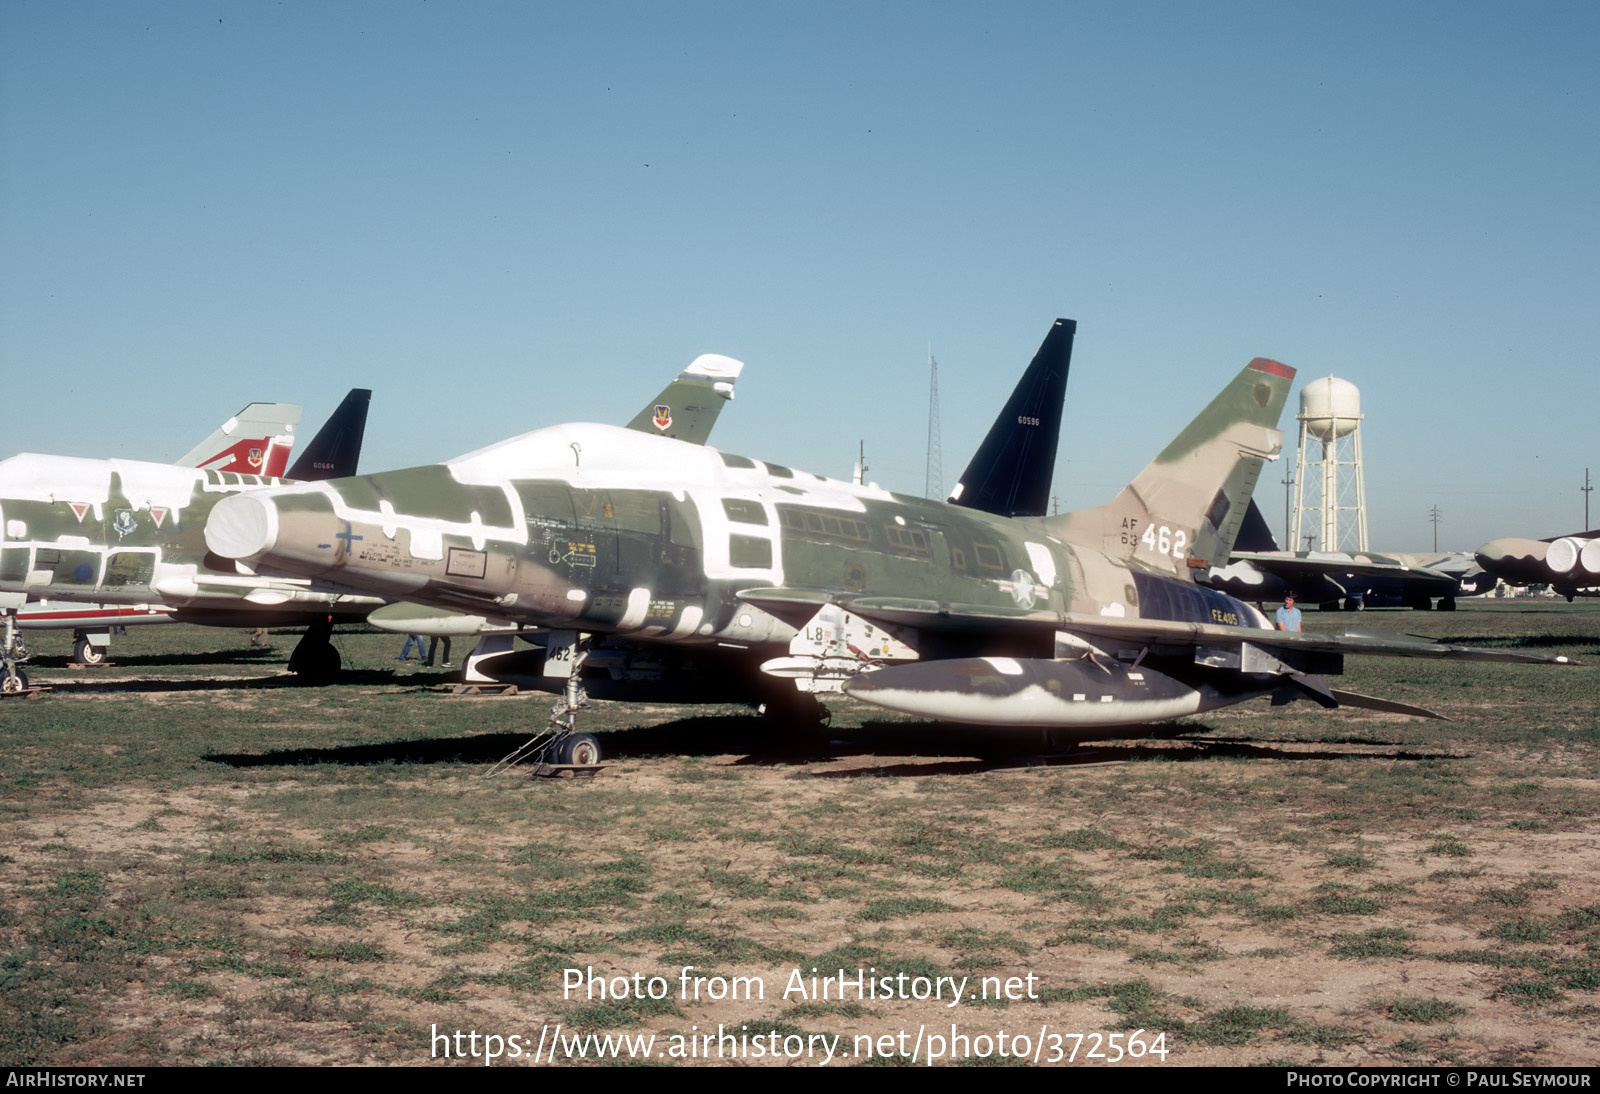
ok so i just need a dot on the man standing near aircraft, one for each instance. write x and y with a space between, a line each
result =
1288 616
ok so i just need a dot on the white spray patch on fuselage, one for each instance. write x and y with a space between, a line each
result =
588 457
52 479
154 493
594 457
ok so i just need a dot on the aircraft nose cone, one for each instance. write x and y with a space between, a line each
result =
242 526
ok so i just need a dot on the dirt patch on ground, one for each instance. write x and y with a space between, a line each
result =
1114 895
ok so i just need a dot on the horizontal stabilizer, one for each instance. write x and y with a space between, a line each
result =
1387 706
1315 688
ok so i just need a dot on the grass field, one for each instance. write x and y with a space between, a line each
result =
201 862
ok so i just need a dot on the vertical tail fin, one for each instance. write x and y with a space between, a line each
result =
255 441
688 407
1010 474
1254 535
336 449
1183 512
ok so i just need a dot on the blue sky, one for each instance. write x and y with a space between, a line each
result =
503 216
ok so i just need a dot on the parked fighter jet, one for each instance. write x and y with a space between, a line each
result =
183 584
1569 564
1257 571
123 540
712 560
256 441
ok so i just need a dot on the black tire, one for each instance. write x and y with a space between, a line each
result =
85 652
1056 742
317 663
1447 603
794 710
14 683
581 749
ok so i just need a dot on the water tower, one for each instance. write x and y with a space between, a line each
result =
1330 412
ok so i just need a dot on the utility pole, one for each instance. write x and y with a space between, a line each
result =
1587 490
1434 515
1288 504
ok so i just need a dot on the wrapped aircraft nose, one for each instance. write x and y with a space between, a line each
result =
242 526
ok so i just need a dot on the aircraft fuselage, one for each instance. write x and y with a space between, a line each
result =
598 529
125 532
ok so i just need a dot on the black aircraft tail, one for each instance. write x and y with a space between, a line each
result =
1011 473
334 451
1254 535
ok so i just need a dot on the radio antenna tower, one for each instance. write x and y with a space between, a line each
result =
933 482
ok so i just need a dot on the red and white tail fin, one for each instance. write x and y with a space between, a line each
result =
255 441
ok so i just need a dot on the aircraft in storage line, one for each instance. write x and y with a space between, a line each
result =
1569 564
726 575
92 544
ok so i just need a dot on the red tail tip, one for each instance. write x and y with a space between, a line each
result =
1263 364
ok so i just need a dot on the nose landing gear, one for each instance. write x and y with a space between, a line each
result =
561 749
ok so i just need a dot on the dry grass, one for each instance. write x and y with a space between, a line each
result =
203 865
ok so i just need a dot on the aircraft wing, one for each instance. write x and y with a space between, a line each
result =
933 615
1293 568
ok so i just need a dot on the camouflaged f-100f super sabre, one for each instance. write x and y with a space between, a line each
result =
727 575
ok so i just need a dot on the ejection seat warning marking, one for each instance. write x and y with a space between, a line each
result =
465 563
577 554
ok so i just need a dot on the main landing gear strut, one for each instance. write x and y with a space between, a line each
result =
315 658
14 653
